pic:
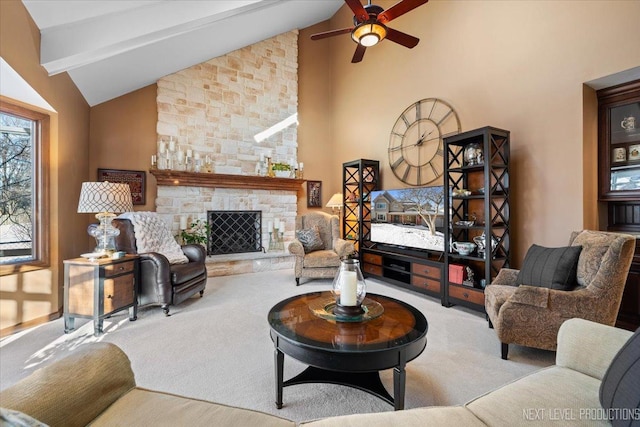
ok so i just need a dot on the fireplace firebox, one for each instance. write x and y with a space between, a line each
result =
234 232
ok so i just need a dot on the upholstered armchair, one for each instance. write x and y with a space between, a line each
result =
531 315
320 259
160 281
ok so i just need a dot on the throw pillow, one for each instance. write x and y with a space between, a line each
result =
553 268
619 388
310 239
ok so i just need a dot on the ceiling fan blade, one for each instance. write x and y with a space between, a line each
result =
404 39
399 9
360 14
331 33
358 54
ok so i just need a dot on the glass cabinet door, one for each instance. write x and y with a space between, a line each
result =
619 142
624 128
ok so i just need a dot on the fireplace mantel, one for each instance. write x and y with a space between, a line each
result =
217 180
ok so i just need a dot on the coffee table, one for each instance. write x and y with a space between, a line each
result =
347 353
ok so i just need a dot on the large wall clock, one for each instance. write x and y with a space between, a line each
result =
416 154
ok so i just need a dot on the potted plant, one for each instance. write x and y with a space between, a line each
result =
281 170
196 233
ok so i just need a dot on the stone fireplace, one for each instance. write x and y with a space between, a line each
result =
214 109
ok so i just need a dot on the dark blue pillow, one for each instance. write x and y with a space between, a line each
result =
620 387
553 268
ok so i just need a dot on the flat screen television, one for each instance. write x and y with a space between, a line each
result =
408 217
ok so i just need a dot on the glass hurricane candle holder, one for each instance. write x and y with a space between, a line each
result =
349 289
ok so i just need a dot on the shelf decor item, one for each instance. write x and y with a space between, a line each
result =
349 289
473 154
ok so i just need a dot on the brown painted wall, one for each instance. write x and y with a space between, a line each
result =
315 132
33 296
123 136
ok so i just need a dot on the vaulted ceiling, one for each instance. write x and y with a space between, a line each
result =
110 48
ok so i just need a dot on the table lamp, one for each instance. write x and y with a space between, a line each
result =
104 199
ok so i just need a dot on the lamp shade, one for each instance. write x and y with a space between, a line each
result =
369 33
105 196
335 201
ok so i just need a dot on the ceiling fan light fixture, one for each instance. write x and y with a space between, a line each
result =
369 33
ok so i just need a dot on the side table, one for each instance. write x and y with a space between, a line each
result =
97 289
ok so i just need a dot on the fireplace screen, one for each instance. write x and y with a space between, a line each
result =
234 232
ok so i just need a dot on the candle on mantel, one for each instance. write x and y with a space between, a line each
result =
172 145
349 288
189 153
269 227
276 224
183 223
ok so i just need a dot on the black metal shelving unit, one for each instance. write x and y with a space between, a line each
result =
359 179
487 204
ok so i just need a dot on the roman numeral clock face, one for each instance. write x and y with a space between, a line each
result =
416 152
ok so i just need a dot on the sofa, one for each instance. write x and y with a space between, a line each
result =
95 385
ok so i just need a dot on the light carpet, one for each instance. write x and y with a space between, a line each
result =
218 348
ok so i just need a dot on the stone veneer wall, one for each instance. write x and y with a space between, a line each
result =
215 109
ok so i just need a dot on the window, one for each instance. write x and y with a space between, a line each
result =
24 236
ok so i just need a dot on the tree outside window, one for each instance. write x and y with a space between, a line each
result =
22 225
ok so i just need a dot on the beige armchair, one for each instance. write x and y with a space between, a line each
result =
322 263
531 316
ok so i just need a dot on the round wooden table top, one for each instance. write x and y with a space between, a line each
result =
399 325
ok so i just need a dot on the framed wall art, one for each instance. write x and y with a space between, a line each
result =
314 194
135 179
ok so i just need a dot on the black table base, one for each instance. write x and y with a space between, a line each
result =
366 381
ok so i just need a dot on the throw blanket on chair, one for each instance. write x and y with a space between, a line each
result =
153 235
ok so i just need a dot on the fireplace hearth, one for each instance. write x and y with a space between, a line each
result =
234 232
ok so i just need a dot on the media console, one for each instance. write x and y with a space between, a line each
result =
419 271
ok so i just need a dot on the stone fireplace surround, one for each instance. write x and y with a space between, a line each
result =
193 194
215 109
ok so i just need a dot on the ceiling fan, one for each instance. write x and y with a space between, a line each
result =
370 26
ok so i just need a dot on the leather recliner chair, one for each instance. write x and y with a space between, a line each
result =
160 282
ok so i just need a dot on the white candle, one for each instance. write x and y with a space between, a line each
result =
183 223
349 288
154 160
196 156
269 226
172 145
276 224
189 153
300 166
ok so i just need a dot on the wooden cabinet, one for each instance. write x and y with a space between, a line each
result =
97 289
619 142
619 180
476 189
359 179
409 269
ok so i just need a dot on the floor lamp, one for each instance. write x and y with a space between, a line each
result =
335 202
